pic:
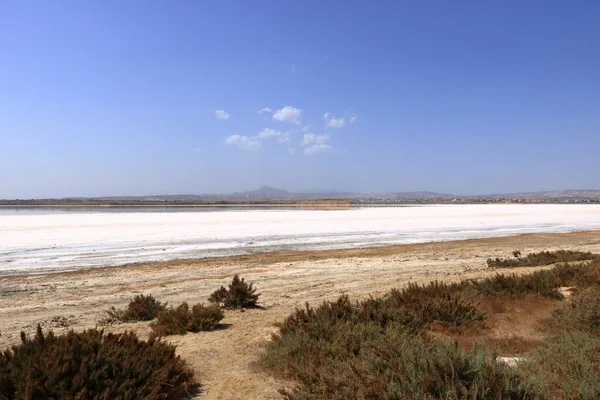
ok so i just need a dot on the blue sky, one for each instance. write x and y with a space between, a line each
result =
165 97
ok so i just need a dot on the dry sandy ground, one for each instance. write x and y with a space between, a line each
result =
224 360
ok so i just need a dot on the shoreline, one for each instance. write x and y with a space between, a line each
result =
272 257
46 241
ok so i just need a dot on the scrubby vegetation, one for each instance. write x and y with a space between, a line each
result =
239 294
179 320
387 348
93 365
568 365
541 258
140 308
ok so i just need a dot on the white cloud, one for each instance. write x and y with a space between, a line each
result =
288 114
268 133
265 110
312 139
333 122
243 142
306 128
336 123
222 115
316 149
353 118
284 137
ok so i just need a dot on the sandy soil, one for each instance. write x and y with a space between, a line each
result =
224 360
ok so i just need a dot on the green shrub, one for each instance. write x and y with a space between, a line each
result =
543 283
239 294
382 348
582 314
568 367
92 365
311 337
541 258
180 320
140 308
400 366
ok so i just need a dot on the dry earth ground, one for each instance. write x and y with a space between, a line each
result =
224 360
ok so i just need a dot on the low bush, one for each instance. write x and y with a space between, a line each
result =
179 320
93 365
382 348
239 294
582 314
140 308
543 283
339 329
541 258
567 367
399 366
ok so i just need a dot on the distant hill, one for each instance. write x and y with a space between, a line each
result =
420 195
271 194
265 192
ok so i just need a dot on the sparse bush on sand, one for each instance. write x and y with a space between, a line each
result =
140 308
179 320
239 294
541 258
93 365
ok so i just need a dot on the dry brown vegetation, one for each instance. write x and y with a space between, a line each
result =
238 294
93 365
179 320
430 342
541 258
140 308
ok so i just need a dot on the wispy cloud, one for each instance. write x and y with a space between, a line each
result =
353 118
317 148
311 138
248 143
288 114
269 133
265 110
222 115
333 122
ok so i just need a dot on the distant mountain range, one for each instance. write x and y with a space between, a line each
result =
271 194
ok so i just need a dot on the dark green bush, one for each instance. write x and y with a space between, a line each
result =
238 294
93 365
181 319
140 308
541 258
